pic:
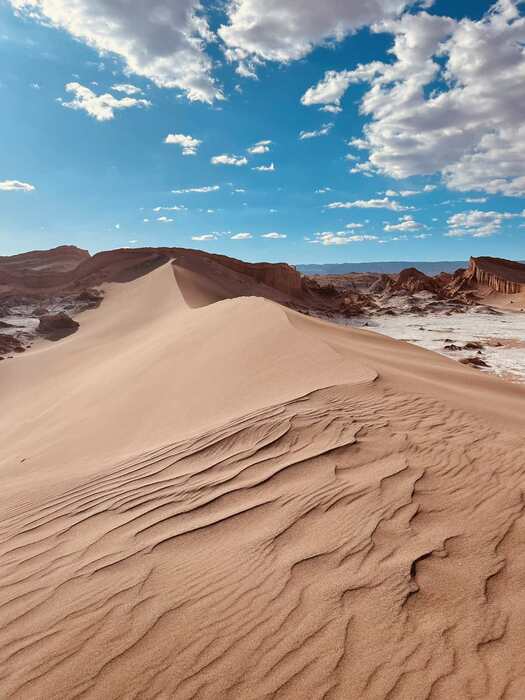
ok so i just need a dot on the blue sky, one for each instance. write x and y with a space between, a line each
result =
433 132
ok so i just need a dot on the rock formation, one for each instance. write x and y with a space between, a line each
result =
57 326
9 344
413 281
504 276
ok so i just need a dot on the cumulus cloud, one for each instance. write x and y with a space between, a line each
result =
323 190
384 203
341 238
260 147
16 186
329 91
199 190
226 159
476 223
265 168
323 131
273 235
406 223
127 89
164 220
450 102
188 144
353 226
205 237
162 41
101 107
287 30
241 236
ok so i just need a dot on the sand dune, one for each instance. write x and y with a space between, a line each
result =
207 497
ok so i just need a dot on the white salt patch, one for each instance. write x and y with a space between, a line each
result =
431 332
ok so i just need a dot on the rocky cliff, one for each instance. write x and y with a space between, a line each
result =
504 276
68 268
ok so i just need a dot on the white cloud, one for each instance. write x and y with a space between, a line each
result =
200 190
205 237
362 169
164 220
274 235
260 147
407 223
341 238
423 236
265 168
127 89
470 127
323 131
475 200
476 223
188 144
353 226
323 190
287 30
101 107
241 237
329 91
16 186
177 207
384 203
225 159
159 40
410 193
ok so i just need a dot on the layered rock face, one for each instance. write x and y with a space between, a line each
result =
504 276
278 276
40 269
70 268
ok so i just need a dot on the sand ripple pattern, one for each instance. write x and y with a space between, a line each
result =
354 543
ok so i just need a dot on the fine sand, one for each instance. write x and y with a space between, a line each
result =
205 497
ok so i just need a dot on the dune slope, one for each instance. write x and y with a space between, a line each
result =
205 497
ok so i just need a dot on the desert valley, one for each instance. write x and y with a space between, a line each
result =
210 490
262 350
483 305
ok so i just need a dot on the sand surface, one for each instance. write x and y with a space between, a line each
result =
221 498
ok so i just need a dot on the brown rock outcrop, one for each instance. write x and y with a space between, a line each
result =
57 326
474 362
412 280
68 269
9 344
504 276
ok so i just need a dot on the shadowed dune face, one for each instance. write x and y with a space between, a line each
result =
229 500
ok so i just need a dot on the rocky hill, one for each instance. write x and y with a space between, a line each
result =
504 276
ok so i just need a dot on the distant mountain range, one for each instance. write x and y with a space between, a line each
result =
429 268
